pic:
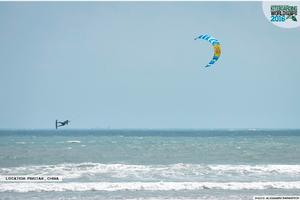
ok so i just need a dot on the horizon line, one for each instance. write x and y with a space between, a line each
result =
146 129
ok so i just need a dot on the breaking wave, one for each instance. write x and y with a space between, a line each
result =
144 186
173 172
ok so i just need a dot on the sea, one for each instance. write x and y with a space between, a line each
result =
150 164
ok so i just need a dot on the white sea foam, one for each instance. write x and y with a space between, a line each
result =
20 142
144 186
178 172
73 141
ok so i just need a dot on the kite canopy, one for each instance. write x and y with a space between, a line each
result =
216 46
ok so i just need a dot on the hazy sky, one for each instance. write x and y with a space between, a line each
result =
136 65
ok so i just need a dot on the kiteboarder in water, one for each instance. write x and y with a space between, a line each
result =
63 123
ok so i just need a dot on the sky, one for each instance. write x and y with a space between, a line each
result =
136 65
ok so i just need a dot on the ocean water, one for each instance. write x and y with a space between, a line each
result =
151 164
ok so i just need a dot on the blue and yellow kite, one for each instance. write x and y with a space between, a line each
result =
216 45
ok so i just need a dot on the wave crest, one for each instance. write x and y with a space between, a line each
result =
174 172
146 186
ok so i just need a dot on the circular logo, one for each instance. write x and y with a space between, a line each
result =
282 13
